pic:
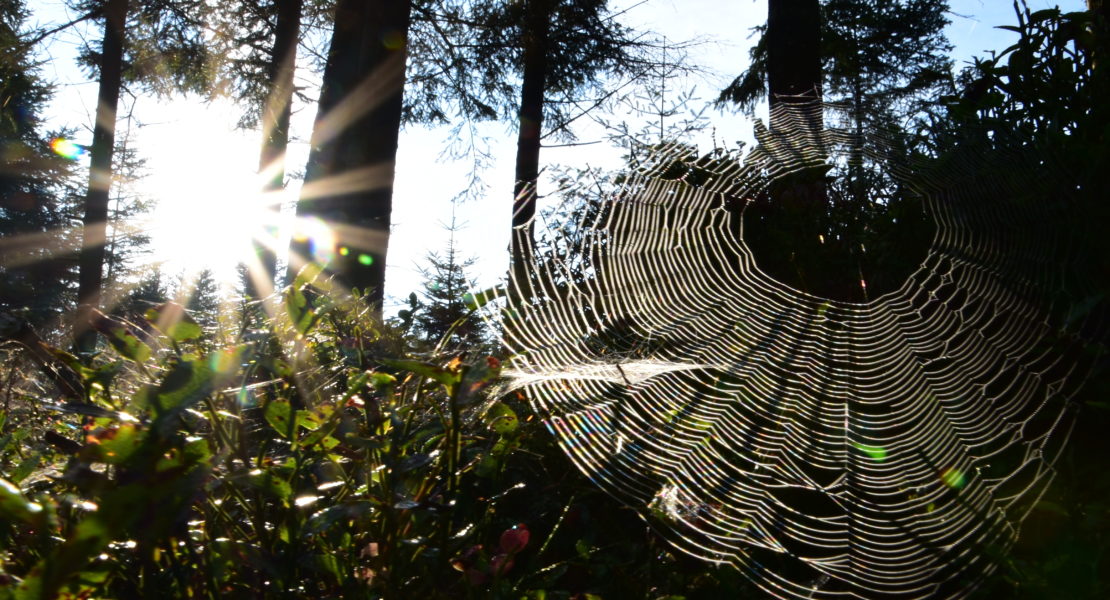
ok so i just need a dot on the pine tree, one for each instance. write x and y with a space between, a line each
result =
127 240
203 302
258 45
879 65
149 292
36 272
444 308
560 49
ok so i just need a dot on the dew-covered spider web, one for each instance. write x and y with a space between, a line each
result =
827 449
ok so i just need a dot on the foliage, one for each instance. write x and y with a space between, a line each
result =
1042 102
164 46
886 57
348 474
203 293
445 319
36 269
486 43
128 241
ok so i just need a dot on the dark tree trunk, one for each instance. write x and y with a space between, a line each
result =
349 180
528 136
275 123
793 51
786 229
91 260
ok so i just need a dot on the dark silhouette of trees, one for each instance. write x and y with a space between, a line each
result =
203 303
877 66
36 273
562 51
349 178
793 51
443 316
91 260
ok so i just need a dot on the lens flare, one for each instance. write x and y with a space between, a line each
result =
319 239
953 478
67 148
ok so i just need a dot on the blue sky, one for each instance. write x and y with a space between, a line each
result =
199 164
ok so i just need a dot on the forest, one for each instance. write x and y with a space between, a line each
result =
860 353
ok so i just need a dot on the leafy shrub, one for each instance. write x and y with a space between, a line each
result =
303 459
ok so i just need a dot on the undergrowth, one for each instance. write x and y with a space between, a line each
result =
312 455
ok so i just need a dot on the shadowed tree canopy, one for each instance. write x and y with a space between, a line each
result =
876 66
35 271
542 63
258 44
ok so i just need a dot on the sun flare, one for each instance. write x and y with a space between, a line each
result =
210 204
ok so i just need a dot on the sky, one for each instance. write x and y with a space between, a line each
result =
201 169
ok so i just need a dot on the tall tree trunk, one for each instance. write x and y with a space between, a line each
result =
349 179
275 124
91 260
793 51
786 229
528 138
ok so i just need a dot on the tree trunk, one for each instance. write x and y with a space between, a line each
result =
91 260
793 51
349 179
275 127
528 138
786 228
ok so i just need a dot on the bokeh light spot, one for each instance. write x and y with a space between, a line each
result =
67 148
393 40
953 478
365 260
319 238
878 453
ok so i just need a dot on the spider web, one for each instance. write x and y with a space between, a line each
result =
827 449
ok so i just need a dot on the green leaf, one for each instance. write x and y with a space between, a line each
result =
433 372
307 275
300 313
14 506
187 383
120 337
382 380
117 445
26 467
278 414
270 483
501 419
172 320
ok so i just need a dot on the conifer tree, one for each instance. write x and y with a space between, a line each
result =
36 273
443 314
349 177
204 299
878 64
258 42
149 292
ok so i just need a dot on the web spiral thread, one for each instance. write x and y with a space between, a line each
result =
828 449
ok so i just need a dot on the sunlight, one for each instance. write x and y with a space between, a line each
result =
210 204
209 224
